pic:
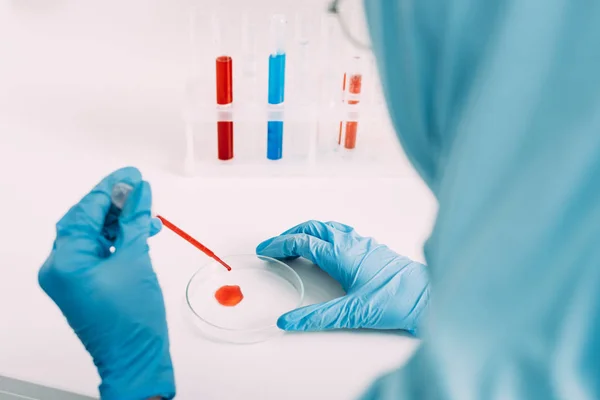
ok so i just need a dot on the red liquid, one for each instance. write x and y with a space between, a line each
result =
229 296
225 140
351 130
224 80
224 66
352 126
355 86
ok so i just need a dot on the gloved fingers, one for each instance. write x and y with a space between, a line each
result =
46 274
136 218
155 226
86 219
296 245
334 314
112 228
314 228
317 251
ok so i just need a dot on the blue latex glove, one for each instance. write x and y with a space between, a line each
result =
113 301
384 290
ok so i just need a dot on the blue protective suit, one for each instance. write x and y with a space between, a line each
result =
497 104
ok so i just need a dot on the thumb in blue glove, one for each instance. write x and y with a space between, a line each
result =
384 290
113 301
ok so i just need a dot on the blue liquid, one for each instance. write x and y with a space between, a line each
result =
276 78
276 96
274 140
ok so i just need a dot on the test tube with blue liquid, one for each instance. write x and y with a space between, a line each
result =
276 85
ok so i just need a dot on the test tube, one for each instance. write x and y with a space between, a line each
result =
352 90
341 132
224 92
249 44
302 71
330 55
249 64
276 85
301 136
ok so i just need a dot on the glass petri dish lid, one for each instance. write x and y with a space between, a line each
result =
269 288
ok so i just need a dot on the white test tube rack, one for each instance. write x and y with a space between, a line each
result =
316 117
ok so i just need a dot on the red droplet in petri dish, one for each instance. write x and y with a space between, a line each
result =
229 296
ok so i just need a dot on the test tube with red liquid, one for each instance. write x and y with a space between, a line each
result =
352 89
224 65
224 86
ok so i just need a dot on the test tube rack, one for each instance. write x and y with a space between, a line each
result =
321 101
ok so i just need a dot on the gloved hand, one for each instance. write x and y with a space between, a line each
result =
383 289
112 300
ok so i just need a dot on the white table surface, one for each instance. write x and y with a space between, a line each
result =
69 114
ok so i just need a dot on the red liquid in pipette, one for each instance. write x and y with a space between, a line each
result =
229 296
193 242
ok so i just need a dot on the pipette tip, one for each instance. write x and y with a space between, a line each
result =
223 263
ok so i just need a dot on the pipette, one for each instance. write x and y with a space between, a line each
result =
192 241
119 196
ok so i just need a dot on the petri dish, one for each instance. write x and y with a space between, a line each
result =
270 288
